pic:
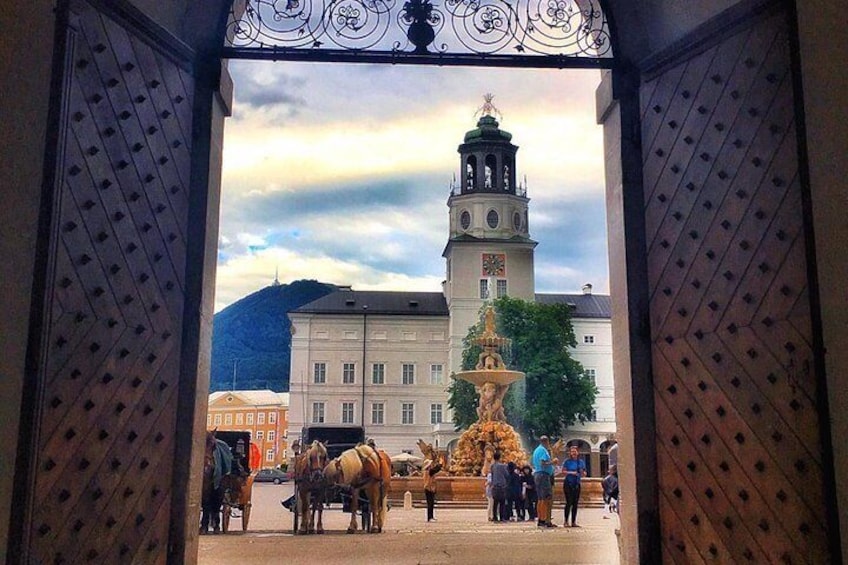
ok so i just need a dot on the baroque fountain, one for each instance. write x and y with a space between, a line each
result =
490 433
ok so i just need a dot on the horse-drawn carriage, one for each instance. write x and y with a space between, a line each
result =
334 464
227 479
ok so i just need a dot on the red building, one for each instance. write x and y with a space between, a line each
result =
263 413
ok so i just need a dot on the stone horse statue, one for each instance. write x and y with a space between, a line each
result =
311 486
217 464
368 469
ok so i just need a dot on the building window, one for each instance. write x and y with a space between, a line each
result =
217 419
269 455
435 413
378 411
209 419
407 413
272 417
501 288
590 374
436 372
588 339
271 435
240 418
260 435
348 373
408 371
347 412
484 289
593 416
319 373
260 418
317 412
378 373
228 419
250 418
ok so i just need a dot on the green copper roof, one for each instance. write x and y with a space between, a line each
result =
487 130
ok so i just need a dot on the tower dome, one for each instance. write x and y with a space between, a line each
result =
487 155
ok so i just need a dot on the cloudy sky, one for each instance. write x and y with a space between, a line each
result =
341 173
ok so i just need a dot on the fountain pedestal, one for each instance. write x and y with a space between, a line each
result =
490 433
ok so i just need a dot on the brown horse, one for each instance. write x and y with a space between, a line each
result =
238 490
368 469
311 486
217 462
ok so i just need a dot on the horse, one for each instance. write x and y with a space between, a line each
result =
368 469
238 490
311 486
217 463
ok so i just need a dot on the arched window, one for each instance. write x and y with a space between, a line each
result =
470 172
491 167
507 168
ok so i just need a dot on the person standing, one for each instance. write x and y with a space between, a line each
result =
575 469
610 485
528 491
490 501
500 483
430 468
513 492
543 476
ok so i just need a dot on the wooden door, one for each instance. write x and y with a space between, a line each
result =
739 454
108 343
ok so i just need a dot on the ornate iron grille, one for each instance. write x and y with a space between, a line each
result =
530 33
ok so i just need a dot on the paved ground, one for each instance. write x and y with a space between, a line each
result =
457 536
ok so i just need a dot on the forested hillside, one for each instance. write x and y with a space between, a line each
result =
253 336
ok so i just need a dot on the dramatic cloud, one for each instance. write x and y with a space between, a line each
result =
341 173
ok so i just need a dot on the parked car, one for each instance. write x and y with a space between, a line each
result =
271 476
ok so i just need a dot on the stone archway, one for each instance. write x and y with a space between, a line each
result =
84 244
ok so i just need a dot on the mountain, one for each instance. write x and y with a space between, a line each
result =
253 335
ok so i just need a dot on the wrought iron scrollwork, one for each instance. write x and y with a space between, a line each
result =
561 28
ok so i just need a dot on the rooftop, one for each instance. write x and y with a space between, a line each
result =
388 303
583 305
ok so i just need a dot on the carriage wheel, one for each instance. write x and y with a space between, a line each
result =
245 516
226 521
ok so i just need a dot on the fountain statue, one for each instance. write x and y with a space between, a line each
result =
491 380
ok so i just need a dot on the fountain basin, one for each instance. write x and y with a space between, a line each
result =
478 377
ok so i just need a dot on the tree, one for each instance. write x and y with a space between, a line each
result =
556 392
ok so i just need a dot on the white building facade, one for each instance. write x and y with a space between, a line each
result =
383 359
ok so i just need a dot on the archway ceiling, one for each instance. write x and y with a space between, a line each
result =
505 33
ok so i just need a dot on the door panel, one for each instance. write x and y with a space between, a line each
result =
738 444
105 420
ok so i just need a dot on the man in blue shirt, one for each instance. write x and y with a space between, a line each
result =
574 468
543 476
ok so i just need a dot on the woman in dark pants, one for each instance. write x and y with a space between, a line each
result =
574 469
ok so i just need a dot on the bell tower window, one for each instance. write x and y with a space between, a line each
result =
491 167
492 219
470 168
465 220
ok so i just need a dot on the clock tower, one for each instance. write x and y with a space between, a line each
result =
489 251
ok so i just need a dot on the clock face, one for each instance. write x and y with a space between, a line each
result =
494 264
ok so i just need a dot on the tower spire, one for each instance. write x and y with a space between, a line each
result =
276 277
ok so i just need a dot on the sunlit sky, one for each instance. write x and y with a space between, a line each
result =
341 173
